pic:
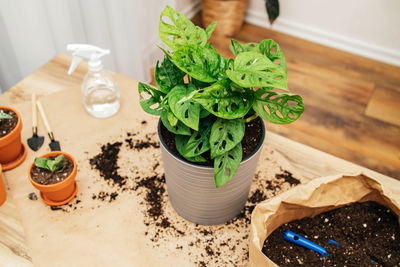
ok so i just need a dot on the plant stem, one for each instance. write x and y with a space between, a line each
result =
252 117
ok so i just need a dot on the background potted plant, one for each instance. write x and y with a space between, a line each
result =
53 175
12 152
230 14
205 116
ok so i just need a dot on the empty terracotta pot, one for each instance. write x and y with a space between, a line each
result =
12 152
3 195
59 193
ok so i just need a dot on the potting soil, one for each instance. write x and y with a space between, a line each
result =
252 137
7 125
368 235
46 177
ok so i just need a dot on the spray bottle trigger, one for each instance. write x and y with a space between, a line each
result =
75 62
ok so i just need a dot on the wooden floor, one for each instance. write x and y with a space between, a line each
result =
352 103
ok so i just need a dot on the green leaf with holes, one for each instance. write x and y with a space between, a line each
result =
210 28
226 165
199 84
150 99
176 30
199 142
278 108
273 52
251 69
220 100
201 63
167 75
238 48
178 128
225 135
187 111
267 47
203 112
172 119
180 142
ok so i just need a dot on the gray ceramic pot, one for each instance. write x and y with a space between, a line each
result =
192 190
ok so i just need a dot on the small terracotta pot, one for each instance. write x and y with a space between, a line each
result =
59 193
10 145
3 194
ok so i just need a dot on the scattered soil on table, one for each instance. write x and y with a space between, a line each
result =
218 245
164 225
71 206
368 235
32 196
287 176
142 144
252 137
46 177
7 125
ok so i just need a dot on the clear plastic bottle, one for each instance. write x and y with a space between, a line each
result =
100 93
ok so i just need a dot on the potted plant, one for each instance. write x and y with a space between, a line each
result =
3 194
230 14
204 117
12 151
53 175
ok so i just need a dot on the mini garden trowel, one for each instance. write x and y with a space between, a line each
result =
54 145
301 241
35 142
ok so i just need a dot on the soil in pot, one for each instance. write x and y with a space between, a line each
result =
252 137
46 177
368 235
7 125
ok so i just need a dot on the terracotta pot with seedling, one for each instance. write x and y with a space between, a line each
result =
53 175
211 128
12 151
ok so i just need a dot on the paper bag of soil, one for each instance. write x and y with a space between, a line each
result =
319 195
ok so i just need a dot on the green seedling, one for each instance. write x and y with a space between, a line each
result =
208 110
4 115
50 165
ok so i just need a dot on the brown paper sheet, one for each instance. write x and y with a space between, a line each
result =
319 195
119 233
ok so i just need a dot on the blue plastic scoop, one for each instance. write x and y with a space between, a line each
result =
301 241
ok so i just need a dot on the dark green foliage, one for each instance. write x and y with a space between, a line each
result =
50 165
208 111
272 7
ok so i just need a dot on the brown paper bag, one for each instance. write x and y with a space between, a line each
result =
319 195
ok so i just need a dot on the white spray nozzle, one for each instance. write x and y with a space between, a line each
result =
91 53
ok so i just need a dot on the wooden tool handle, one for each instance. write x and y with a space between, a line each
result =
34 113
46 122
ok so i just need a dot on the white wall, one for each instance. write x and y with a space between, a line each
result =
369 28
32 32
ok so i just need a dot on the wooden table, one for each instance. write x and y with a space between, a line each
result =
307 162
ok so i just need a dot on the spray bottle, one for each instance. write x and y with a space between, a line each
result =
100 91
